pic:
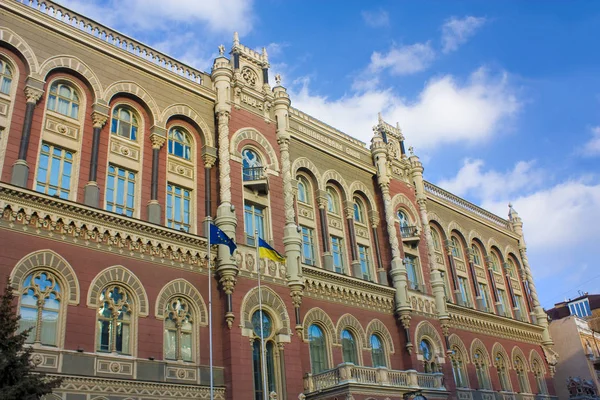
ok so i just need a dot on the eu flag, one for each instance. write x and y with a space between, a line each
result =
217 236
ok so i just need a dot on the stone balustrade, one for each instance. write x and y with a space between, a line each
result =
482 394
350 373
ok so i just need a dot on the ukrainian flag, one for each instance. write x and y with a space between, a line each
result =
266 251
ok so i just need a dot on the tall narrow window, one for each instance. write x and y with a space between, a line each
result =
456 248
318 349
365 266
349 347
179 329
504 302
427 353
436 240
180 143
178 207
521 375
539 377
252 165
308 246
377 352
359 214
481 369
302 190
332 201
511 269
495 262
257 360
124 123
54 171
412 264
6 77
254 220
519 306
458 367
120 190
485 297
63 99
502 373
476 255
464 290
337 251
40 308
114 321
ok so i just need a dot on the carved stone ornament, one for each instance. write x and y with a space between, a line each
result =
157 141
228 283
221 50
249 76
278 79
99 119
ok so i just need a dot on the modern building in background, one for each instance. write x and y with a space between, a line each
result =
114 157
575 329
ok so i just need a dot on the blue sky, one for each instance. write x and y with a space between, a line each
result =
500 99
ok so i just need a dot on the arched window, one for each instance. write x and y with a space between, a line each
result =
124 123
180 143
501 368
114 320
269 358
482 370
40 308
179 328
476 254
332 201
403 219
538 373
349 347
64 100
436 240
458 367
511 269
303 190
252 164
318 349
521 375
359 211
426 348
377 352
6 77
456 252
495 261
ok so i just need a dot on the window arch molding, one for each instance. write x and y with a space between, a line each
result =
499 349
52 261
492 245
119 275
349 321
535 356
360 190
304 163
517 352
457 229
375 326
477 344
332 177
22 48
425 330
273 304
455 340
261 145
185 111
435 219
317 316
474 235
5 121
401 201
139 94
74 65
181 288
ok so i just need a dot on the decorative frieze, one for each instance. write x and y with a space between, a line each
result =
245 259
181 169
125 150
335 222
44 360
306 211
115 367
422 304
62 128
181 373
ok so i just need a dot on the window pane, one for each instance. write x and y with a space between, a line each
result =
186 346
28 320
104 335
170 344
49 327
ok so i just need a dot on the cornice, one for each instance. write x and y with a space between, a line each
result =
38 214
77 384
87 40
493 325
344 289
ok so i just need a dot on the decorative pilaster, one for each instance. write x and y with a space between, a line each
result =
538 315
355 262
381 273
490 268
20 169
478 295
91 192
327 256
209 156
291 237
157 139
226 220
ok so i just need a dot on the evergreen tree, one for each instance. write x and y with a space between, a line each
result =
18 380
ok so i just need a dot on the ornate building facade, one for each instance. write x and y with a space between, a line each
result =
113 157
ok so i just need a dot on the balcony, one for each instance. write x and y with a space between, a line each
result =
410 234
482 394
255 179
348 378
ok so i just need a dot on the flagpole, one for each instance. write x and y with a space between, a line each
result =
262 341
210 333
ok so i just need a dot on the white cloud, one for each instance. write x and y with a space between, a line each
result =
217 16
457 31
376 19
592 147
403 60
446 111
472 179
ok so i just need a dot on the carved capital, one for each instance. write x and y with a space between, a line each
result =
223 115
405 320
349 212
33 94
209 160
445 329
99 119
296 297
157 141
228 283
